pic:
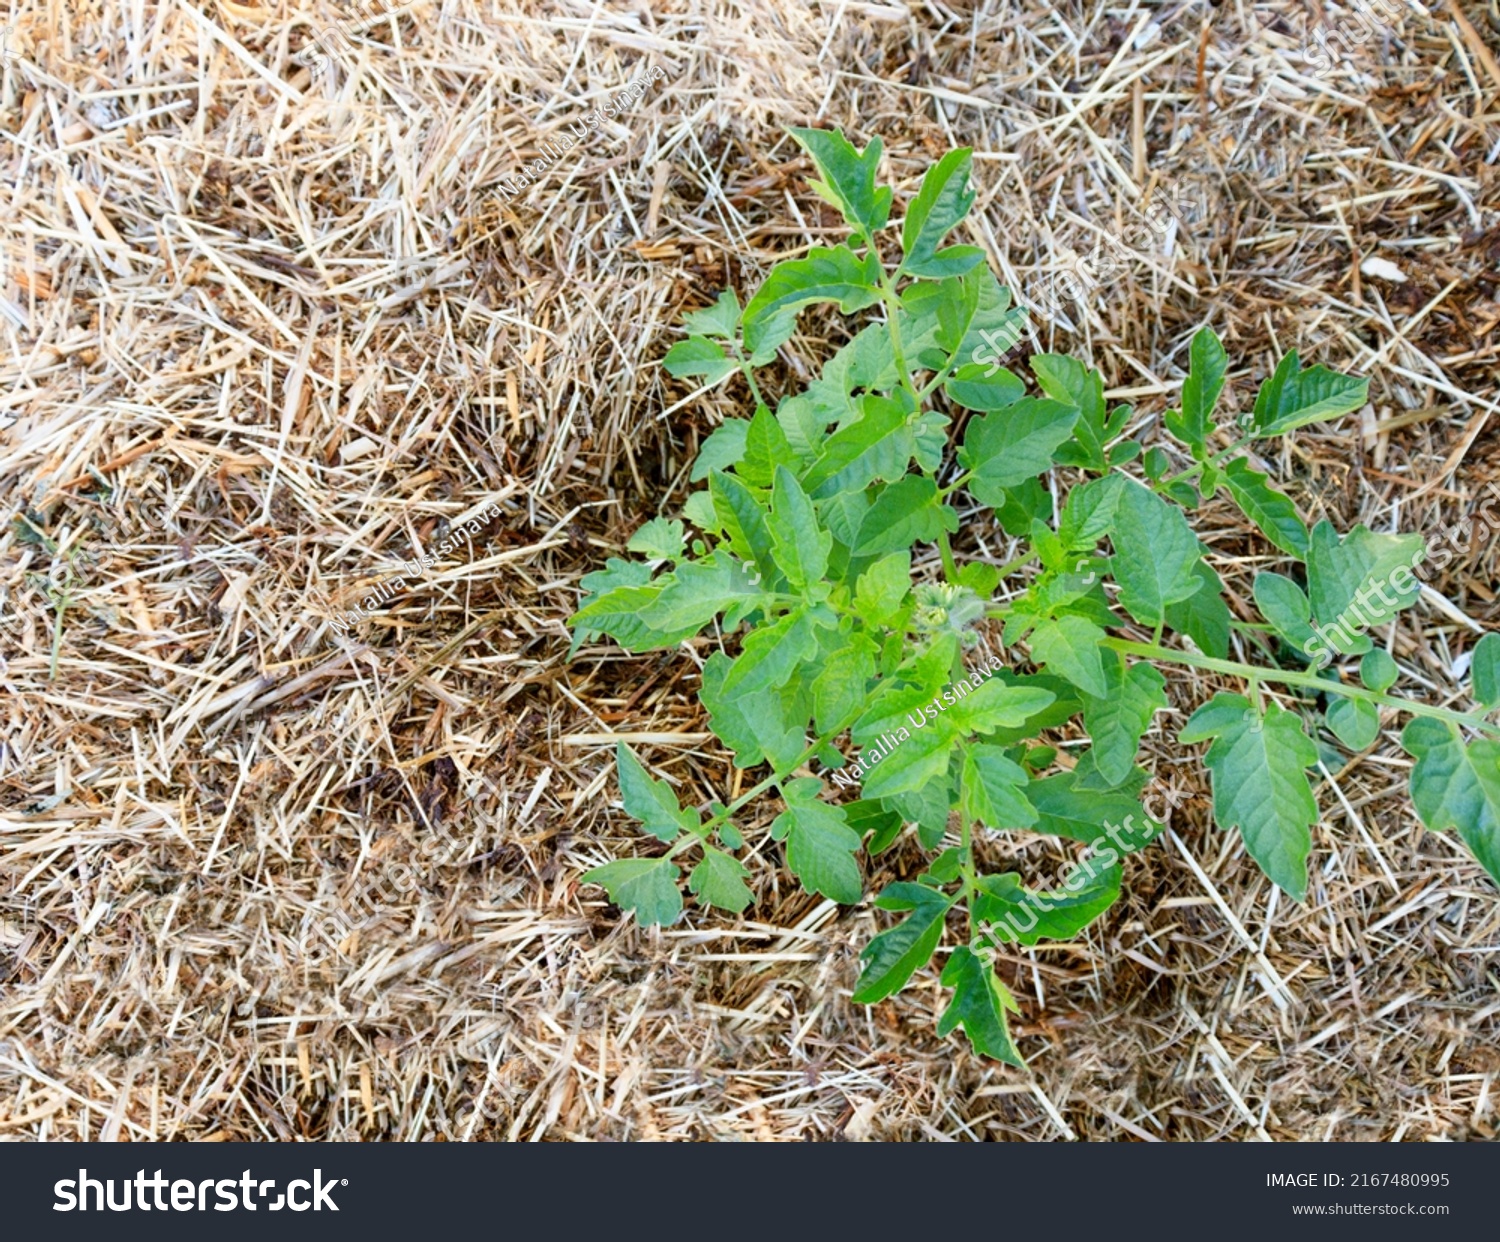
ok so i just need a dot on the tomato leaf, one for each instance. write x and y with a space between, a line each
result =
1260 786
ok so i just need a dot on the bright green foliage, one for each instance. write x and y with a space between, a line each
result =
647 886
1293 397
980 1002
1156 554
849 179
895 955
651 802
1285 605
700 356
1200 394
1260 787
820 844
1485 669
1355 722
1010 912
1272 511
1358 581
658 539
1379 672
1015 444
994 789
719 880
827 274
1118 717
1069 647
1457 785
848 659
944 200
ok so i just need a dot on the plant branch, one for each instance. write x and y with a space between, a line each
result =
739 356
1255 674
705 828
893 322
1197 467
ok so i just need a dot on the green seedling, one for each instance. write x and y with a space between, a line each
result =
801 563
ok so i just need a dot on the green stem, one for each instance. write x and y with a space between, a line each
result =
1152 651
744 362
950 567
775 778
957 483
1014 563
966 868
893 321
931 386
1197 468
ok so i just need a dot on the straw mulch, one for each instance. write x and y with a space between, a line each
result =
270 327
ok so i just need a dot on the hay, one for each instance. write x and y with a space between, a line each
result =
273 323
